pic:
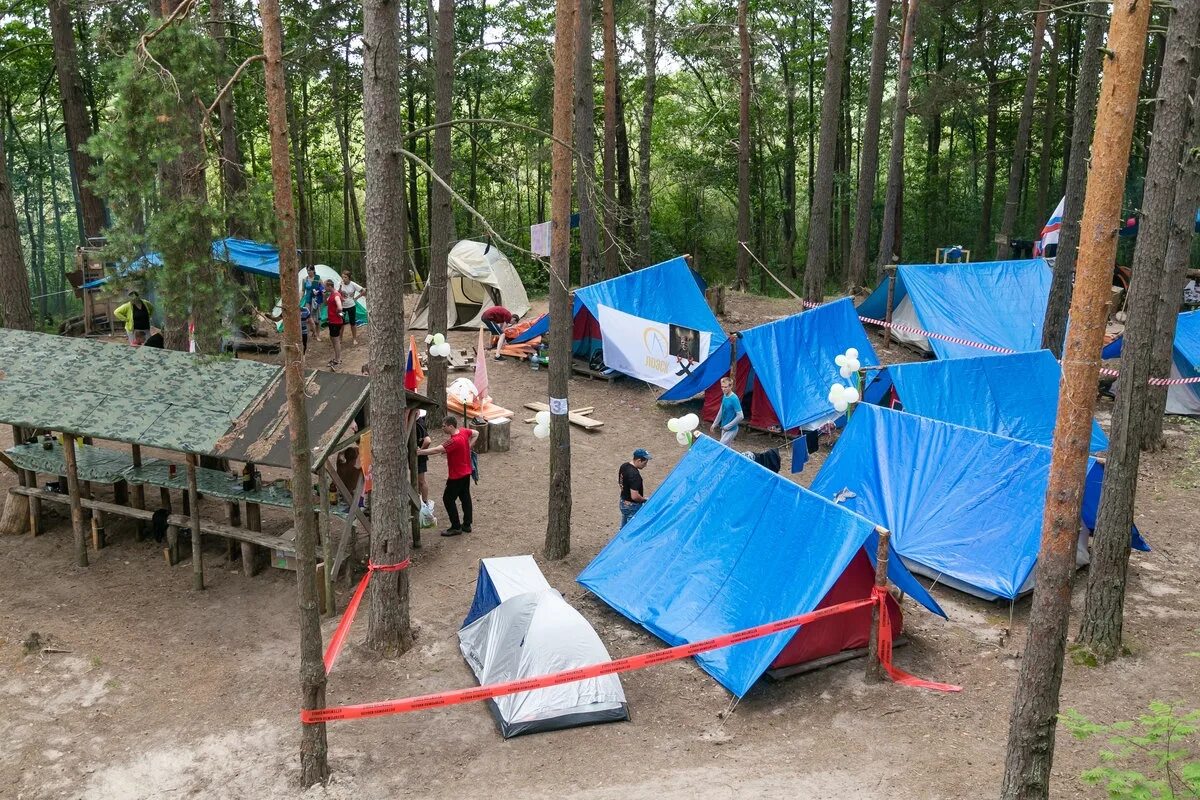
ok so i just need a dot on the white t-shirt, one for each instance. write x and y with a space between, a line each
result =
349 292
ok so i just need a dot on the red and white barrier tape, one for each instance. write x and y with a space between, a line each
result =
478 693
338 641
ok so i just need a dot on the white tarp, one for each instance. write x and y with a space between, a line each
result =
655 352
478 277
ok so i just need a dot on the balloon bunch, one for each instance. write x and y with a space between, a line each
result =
683 428
541 428
463 390
840 395
848 363
438 346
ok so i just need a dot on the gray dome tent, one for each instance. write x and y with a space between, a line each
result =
479 277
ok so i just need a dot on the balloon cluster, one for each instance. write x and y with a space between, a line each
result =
463 390
682 427
438 346
840 395
848 363
541 430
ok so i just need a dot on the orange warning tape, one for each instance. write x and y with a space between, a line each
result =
338 641
476 694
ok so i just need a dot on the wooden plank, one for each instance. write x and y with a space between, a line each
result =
81 556
585 422
585 411
251 555
193 495
355 511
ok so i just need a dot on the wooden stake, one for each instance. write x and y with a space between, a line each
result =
81 556
890 271
139 491
194 502
250 552
874 668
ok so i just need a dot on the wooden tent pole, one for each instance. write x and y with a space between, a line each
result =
81 555
874 668
890 271
194 503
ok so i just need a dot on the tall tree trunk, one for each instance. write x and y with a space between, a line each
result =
888 234
441 220
842 186
812 100
1012 197
585 139
869 166
624 176
75 117
983 243
389 630
233 170
16 307
609 166
743 196
1034 716
314 748
1054 327
650 60
1049 123
414 187
56 213
558 519
788 184
1103 612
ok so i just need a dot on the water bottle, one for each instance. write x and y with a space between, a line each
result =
533 361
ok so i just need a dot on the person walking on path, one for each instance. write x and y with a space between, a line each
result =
136 315
351 292
629 478
457 448
333 317
729 416
313 299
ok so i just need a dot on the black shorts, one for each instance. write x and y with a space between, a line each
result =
422 464
350 316
335 330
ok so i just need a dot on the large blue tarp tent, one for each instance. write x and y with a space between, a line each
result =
1011 395
725 544
255 258
964 506
1000 303
785 366
1182 398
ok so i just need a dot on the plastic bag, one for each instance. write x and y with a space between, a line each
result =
428 520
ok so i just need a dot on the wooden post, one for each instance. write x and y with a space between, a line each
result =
81 556
874 668
326 545
193 496
28 479
733 359
250 552
414 509
138 491
164 497
890 272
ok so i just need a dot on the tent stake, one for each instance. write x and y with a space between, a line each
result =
874 668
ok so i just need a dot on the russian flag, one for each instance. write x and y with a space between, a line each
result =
1049 237
413 374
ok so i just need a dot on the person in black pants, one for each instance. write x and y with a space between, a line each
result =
457 448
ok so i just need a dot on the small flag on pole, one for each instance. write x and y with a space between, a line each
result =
413 374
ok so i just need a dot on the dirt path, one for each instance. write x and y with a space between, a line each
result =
171 693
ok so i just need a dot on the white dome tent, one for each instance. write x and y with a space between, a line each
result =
480 276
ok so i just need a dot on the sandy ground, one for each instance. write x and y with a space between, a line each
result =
167 692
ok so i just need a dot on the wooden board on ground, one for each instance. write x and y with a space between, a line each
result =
459 359
579 417
609 375
583 411
489 412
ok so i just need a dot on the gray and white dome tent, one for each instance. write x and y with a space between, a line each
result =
479 277
520 627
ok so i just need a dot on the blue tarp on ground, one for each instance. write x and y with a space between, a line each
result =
253 257
1010 395
792 359
959 502
1185 356
1000 303
725 544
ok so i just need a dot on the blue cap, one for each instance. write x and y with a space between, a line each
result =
640 453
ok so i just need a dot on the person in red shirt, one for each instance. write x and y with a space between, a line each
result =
458 472
333 318
497 318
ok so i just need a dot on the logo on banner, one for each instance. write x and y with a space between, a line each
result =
657 349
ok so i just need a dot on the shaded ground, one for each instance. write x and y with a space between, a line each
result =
166 692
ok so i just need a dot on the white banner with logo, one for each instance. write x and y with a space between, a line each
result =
655 352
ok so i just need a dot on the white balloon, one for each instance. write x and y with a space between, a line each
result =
852 353
840 405
854 364
840 361
542 417
845 371
689 423
673 425
438 338
835 392
683 439
440 350
850 395
541 431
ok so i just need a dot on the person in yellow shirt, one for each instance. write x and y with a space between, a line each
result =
136 316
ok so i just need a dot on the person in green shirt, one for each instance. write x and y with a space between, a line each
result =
136 316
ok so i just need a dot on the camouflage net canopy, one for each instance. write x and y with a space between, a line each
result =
166 399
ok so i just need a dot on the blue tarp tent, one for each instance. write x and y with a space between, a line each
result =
963 506
1000 303
786 367
1011 395
725 544
255 258
1185 363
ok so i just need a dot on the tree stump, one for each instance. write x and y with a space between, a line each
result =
498 434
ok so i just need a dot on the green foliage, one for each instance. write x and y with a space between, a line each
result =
1155 756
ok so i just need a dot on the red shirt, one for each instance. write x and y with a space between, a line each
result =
458 454
333 309
497 314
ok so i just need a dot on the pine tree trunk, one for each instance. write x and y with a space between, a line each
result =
1054 327
314 748
16 307
75 117
743 201
558 520
1012 197
788 184
1049 123
609 165
624 176
888 233
389 630
650 60
585 139
233 171
869 166
410 107
1034 715
983 243
441 220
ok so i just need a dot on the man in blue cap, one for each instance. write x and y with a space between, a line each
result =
629 477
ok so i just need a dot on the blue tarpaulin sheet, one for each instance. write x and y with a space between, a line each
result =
253 257
1000 303
959 502
1186 350
792 360
1010 395
723 545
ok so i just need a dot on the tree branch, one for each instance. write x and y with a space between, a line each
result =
229 84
